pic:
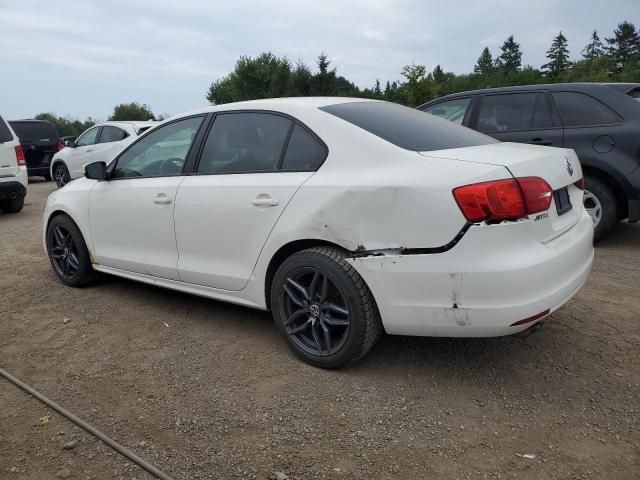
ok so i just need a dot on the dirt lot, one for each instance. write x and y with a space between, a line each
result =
203 389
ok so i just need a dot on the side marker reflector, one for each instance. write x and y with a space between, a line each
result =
531 319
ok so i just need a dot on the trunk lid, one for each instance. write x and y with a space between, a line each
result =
559 167
39 141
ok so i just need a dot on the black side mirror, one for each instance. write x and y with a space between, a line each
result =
70 144
96 171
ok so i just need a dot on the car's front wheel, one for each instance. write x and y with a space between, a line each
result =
61 175
324 309
600 202
68 252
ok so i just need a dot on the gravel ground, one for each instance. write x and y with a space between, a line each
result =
207 390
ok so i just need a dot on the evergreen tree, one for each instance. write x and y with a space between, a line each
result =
594 49
377 91
510 59
558 55
484 65
324 83
438 74
624 47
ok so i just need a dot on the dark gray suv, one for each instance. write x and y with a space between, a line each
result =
601 122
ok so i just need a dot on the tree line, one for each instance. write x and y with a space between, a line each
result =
132 111
617 58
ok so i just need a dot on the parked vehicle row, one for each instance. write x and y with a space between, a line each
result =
344 217
599 121
13 170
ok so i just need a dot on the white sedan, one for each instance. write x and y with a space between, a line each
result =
101 142
346 218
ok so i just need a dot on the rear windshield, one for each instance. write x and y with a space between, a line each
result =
35 132
407 128
5 133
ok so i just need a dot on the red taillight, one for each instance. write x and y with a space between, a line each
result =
60 145
508 199
580 184
20 156
537 194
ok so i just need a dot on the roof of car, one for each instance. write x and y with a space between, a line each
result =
279 104
29 120
584 87
136 123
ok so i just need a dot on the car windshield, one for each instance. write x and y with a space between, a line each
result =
406 127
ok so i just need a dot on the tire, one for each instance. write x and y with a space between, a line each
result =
61 175
601 203
305 316
12 205
68 252
47 178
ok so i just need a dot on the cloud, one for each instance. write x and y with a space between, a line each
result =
84 59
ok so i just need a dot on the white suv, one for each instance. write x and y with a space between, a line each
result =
13 171
99 143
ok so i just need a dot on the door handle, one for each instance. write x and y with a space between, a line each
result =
540 141
89 150
265 202
162 199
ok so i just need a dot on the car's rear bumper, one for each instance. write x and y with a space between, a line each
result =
494 277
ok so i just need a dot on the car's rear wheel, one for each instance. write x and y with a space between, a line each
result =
600 202
68 252
324 309
61 175
12 205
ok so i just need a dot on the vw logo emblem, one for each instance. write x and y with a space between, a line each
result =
569 166
315 310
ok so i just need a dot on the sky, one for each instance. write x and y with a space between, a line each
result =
81 58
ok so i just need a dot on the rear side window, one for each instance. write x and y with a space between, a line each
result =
304 152
578 110
405 127
112 134
453 110
5 133
514 112
35 132
244 143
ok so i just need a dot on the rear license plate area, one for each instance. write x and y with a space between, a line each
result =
562 201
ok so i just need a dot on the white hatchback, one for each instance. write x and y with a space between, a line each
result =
101 142
344 217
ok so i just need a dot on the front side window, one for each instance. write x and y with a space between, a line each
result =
161 153
112 134
578 109
453 110
514 112
87 138
244 143
304 152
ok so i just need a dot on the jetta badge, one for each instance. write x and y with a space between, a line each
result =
569 166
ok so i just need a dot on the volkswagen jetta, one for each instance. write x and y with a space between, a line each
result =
346 218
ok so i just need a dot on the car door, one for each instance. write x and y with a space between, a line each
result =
131 214
250 167
523 117
82 153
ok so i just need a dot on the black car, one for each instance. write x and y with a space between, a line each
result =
40 142
601 122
